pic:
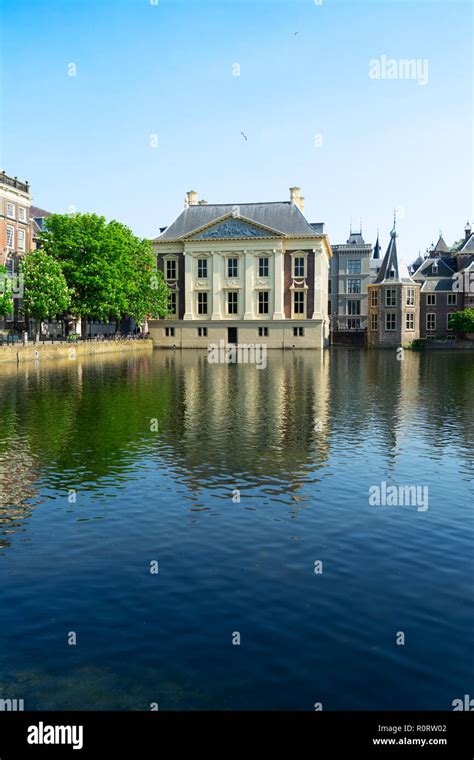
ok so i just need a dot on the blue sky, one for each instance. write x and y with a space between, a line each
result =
166 69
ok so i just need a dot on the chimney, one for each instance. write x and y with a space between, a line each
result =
202 203
191 198
467 231
296 198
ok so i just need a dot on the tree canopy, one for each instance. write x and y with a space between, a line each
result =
462 321
109 271
46 293
6 298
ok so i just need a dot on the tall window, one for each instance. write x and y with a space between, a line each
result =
21 240
202 269
172 303
171 269
391 297
410 321
410 297
431 299
374 322
449 325
22 214
10 237
353 286
431 321
329 287
263 267
298 302
263 302
202 303
232 267
452 299
11 210
232 301
353 307
299 266
390 321
374 298
353 266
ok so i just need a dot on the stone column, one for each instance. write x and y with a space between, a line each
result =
278 284
320 284
248 285
188 286
217 282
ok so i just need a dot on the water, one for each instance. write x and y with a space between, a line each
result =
91 494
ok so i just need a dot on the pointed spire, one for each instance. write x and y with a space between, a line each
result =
376 253
389 269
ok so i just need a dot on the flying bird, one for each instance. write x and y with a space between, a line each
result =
244 136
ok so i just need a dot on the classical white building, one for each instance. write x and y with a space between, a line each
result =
244 273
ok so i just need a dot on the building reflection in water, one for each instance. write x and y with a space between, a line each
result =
271 433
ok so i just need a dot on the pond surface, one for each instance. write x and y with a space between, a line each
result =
157 508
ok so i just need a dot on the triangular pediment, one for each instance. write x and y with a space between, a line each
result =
232 226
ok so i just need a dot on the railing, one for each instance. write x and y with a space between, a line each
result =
10 340
14 182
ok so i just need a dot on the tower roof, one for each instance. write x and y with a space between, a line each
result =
441 246
376 253
390 270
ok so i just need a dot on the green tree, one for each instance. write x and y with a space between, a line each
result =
456 245
147 292
45 290
107 268
463 321
6 298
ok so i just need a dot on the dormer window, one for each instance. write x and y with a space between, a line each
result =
435 267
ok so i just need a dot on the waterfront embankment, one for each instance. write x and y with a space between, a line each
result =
19 353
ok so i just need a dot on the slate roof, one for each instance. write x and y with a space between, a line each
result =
35 211
437 284
441 246
376 253
446 267
283 217
355 238
390 263
468 245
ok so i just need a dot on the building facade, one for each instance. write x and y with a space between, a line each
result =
15 238
353 266
394 302
444 276
244 274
